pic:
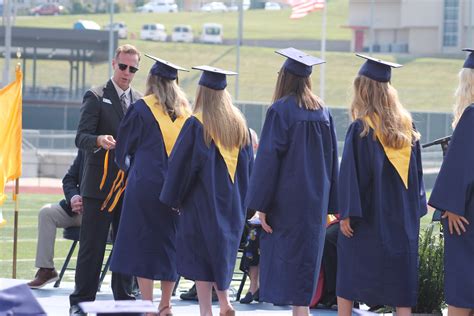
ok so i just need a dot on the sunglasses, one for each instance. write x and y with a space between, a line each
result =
132 69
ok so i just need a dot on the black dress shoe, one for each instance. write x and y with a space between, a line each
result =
75 310
190 295
249 297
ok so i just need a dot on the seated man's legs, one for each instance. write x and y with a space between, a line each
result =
50 217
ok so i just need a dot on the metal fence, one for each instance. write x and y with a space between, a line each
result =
50 131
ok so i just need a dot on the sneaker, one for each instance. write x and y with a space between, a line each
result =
43 276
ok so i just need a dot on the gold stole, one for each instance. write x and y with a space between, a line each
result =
399 158
169 129
230 156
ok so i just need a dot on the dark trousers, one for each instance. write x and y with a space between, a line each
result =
94 231
329 264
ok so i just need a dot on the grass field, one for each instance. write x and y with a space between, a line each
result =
30 205
423 83
258 24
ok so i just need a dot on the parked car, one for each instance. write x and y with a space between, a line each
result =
272 6
214 7
182 33
211 33
160 6
153 32
86 25
120 27
245 6
47 9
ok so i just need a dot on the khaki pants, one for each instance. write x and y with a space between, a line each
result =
51 217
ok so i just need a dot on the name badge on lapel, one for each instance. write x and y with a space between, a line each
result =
106 101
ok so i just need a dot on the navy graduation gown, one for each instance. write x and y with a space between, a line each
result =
145 243
454 192
211 205
294 183
379 264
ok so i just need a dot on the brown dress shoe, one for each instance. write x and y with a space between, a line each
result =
43 277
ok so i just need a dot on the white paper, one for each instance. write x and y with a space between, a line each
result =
111 306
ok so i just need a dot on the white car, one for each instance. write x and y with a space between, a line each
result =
214 7
159 7
182 33
272 6
120 27
211 33
153 32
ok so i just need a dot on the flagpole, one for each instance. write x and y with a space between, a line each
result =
15 225
16 192
323 53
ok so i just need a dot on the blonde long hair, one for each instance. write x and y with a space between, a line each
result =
464 94
289 84
170 96
379 101
222 121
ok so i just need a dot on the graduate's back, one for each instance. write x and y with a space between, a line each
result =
294 183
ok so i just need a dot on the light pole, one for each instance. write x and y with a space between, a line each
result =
111 35
239 42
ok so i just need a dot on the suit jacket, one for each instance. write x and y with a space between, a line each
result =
71 182
101 113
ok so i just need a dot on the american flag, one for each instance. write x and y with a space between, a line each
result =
302 7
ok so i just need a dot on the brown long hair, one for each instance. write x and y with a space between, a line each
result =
222 121
464 94
300 87
379 101
170 96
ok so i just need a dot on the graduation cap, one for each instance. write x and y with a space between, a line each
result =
19 300
469 63
377 69
164 68
214 78
299 63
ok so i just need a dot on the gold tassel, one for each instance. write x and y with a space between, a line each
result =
117 197
115 186
106 167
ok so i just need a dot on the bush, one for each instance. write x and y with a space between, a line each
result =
431 271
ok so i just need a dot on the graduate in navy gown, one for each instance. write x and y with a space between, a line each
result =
207 179
381 197
146 241
293 185
454 193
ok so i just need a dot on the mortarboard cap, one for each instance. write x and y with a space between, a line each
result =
469 62
214 78
164 68
377 69
19 300
299 63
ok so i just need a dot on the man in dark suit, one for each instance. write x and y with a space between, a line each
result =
102 110
66 213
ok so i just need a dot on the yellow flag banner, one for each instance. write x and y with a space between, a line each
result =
10 133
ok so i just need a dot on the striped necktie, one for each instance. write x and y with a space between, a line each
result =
123 102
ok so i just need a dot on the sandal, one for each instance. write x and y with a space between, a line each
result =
164 308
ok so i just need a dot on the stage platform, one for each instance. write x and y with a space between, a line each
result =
55 302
